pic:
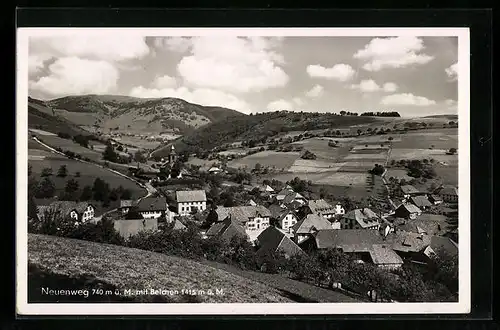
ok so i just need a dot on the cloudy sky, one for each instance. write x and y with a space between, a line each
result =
416 76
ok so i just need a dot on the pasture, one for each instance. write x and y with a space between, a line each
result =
41 132
88 173
67 144
274 159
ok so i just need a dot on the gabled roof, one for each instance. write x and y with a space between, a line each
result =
178 225
383 254
274 240
364 217
266 187
420 201
226 230
409 189
241 214
190 196
436 197
443 245
152 204
64 207
126 203
251 202
275 210
349 240
409 207
409 242
292 196
310 223
448 190
285 191
320 206
284 213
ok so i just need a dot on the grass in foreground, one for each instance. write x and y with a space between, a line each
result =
87 265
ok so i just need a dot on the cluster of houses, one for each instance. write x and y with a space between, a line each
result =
293 224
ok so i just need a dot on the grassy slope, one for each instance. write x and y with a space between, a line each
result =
258 126
39 116
125 268
123 111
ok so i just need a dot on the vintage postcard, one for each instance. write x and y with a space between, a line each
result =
242 171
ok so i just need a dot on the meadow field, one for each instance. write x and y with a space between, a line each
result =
278 160
67 144
40 159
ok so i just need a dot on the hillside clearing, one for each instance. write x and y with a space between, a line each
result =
280 160
126 268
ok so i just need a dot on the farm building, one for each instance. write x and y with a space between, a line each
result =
435 199
152 207
129 227
448 194
364 245
125 205
323 208
287 219
407 211
190 200
80 212
284 192
305 228
408 190
250 217
226 230
215 170
273 240
422 202
360 219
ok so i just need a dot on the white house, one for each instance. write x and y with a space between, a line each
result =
287 220
323 208
152 207
190 200
252 218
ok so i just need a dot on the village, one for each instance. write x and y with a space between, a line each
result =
275 218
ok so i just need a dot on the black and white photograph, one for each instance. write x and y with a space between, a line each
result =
243 171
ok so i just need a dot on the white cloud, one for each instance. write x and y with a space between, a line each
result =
36 63
340 72
90 47
202 96
233 64
396 52
176 44
406 99
367 86
390 87
75 76
451 105
452 71
316 91
279 105
164 82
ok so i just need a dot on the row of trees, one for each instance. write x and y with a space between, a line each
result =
381 114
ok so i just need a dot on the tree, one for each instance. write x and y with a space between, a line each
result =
100 190
390 138
45 188
359 131
139 157
46 172
62 171
308 155
342 113
377 170
71 189
452 151
86 194
77 174
119 148
258 167
109 154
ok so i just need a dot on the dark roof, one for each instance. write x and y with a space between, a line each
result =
435 197
364 217
349 240
306 225
294 205
409 207
443 245
226 230
178 225
275 210
409 189
448 190
421 201
420 225
274 240
190 196
409 242
152 204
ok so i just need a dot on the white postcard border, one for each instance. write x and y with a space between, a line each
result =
461 307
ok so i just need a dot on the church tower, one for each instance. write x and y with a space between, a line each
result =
172 157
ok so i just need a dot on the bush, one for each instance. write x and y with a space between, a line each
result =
308 155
